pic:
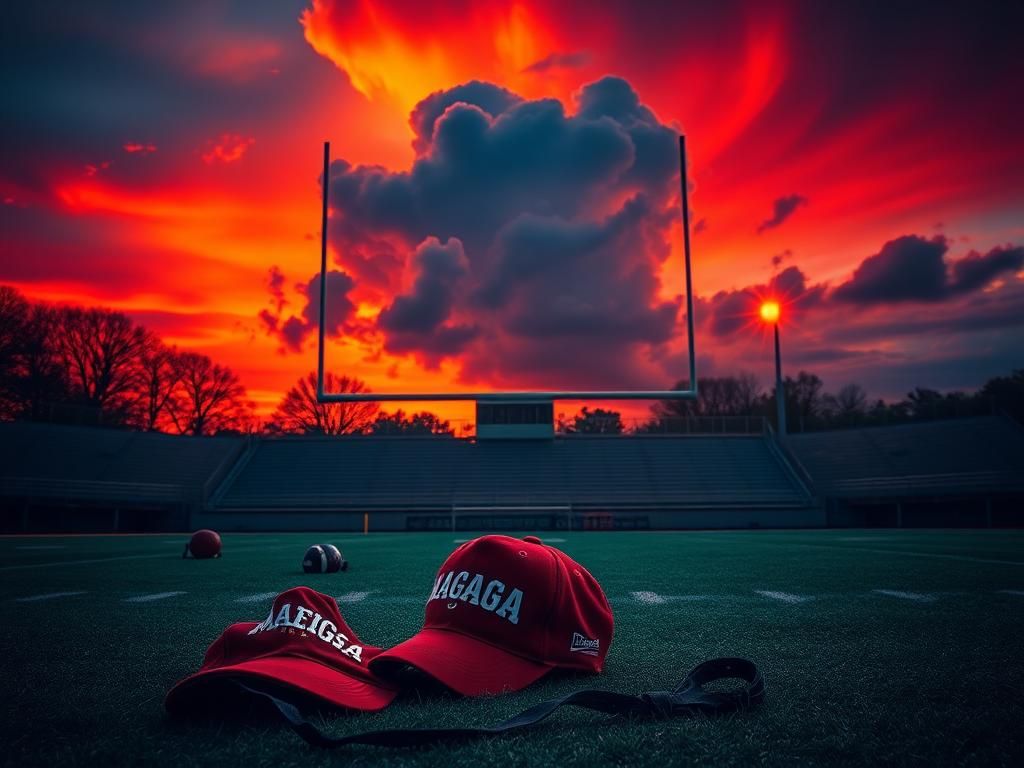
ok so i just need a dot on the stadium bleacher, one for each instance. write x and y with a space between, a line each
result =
914 469
659 477
84 478
958 472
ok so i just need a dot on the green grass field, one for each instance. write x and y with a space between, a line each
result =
929 673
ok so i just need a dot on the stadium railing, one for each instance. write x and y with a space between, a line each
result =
231 460
917 485
790 462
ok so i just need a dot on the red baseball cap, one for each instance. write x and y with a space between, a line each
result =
304 644
503 613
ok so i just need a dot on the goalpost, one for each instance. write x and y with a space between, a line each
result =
690 393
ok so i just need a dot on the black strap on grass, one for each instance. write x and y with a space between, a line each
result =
688 698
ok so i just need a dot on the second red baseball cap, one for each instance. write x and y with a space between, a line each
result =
303 646
502 613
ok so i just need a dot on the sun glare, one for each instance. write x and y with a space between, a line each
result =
770 311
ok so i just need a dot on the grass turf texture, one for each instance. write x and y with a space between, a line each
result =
853 676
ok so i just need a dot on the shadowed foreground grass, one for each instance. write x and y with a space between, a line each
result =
929 675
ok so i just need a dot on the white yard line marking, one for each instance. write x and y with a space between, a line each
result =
653 598
648 598
47 596
353 597
257 598
1011 592
785 597
906 595
43 546
151 598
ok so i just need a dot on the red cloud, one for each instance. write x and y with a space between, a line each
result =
134 147
93 169
229 148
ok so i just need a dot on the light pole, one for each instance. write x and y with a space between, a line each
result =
770 314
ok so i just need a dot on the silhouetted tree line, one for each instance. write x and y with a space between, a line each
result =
300 413
97 366
810 408
724 402
591 422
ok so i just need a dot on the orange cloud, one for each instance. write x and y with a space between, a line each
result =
94 197
404 56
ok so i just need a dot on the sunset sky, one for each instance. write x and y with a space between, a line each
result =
505 186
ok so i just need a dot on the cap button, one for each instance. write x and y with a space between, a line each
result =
532 539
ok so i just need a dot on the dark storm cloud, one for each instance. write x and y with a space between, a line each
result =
791 285
728 311
293 331
975 270
1002 309
568 279
419 320
909 268
784 207
655 146
572 60
275 283
492 99
560 224
482 171
912 268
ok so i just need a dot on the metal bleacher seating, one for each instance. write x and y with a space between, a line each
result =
71 463
676 472
960 456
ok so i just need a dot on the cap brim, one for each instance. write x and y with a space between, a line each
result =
464 664
305 676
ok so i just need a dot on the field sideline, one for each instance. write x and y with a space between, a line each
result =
884 645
